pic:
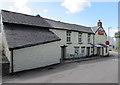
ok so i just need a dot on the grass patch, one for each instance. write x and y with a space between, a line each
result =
118 50
2 57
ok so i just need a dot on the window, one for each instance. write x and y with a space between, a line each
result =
79 37
82 50
88 38
76 51
68 34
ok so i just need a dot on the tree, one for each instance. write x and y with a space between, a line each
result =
117 34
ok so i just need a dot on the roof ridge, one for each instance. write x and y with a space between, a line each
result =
66 23
20 13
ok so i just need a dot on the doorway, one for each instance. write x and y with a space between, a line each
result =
63 52
98 51
88 51
76 51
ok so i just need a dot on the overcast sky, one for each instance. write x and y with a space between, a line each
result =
82 12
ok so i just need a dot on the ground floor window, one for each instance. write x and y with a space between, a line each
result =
76 51
82 50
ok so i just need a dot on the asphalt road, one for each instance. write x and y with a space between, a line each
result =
103 70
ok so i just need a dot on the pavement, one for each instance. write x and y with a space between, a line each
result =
101 70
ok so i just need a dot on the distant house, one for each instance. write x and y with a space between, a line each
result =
112 43
32 41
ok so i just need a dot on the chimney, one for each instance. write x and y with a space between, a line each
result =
38 15
99 23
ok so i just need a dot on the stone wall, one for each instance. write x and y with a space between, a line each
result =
5 66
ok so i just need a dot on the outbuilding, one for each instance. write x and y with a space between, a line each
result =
27 41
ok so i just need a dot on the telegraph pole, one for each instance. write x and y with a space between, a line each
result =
108 32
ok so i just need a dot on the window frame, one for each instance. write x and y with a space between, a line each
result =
68 37
89 36
79 37
82 49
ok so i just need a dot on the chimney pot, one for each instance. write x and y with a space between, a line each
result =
99 23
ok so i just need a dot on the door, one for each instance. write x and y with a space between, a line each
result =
98 51
63 53
88 51
76 52
83 51
102 51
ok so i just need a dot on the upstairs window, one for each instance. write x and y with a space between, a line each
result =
68 34
79 37
88 38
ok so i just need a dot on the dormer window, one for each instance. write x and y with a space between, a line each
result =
68 34
79 37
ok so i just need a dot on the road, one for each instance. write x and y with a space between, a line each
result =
103 70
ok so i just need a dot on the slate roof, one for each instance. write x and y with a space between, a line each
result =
18 18
19 36
67 26
94 29
25 30
101 45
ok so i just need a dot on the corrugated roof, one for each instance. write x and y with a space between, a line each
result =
67 26
19 36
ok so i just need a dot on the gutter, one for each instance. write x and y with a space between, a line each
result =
30 45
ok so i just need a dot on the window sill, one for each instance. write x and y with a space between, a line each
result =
89 42
69 43
80 43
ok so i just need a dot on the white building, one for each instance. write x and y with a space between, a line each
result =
100 38
111 43
76 41
32 41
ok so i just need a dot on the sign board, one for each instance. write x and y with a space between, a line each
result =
107 43
100 31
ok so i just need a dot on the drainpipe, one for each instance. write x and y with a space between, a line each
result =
93 44
11 64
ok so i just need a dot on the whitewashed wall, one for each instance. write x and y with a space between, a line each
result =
5 46
74 39
105 52
36 56
0 44
100 39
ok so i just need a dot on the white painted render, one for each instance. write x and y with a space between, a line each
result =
100 39
0 44
74 40
0 34
5 46
36 56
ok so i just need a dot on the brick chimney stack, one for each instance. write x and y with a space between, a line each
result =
99 23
